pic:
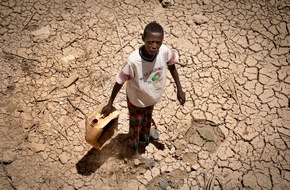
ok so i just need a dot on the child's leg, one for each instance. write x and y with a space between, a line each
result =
146 125
135 119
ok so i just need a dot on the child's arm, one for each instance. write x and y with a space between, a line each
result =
180 92
107 108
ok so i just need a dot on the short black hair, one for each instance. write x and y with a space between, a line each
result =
153 27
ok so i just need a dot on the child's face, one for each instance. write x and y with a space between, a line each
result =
152 42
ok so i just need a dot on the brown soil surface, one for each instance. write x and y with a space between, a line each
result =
58 61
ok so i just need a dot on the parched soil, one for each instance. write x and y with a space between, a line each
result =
58 61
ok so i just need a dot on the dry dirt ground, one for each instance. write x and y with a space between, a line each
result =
58 61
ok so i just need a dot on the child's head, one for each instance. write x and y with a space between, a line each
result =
153 37
153 27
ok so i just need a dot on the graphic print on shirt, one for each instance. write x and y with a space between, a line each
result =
156 77
153 76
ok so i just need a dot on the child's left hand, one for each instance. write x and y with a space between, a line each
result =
181 96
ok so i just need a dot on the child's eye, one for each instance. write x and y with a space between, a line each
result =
152 42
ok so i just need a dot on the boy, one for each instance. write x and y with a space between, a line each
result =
145 74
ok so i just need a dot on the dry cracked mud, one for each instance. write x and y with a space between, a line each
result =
58 61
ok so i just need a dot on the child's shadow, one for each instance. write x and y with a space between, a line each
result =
118 147
94 158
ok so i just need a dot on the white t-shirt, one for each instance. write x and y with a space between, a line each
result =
146 81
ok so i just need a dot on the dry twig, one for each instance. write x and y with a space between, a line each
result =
57 123
79 37
217 84
236 96
28 21
19 56
83 93
75 107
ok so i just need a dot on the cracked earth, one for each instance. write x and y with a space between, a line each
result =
58 64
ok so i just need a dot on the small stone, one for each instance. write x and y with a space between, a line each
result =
63 158
133 171
195 167
200 19
178 152
8 157
68 58
164 183
79 148
42 33
137 162
44 156
149 164
188 169
35 147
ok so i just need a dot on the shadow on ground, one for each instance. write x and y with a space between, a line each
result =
117 147
94 158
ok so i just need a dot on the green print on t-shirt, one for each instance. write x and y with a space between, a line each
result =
146 75
156 77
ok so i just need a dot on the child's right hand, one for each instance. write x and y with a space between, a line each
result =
106 110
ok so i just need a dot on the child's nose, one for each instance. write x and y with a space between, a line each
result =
154 45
